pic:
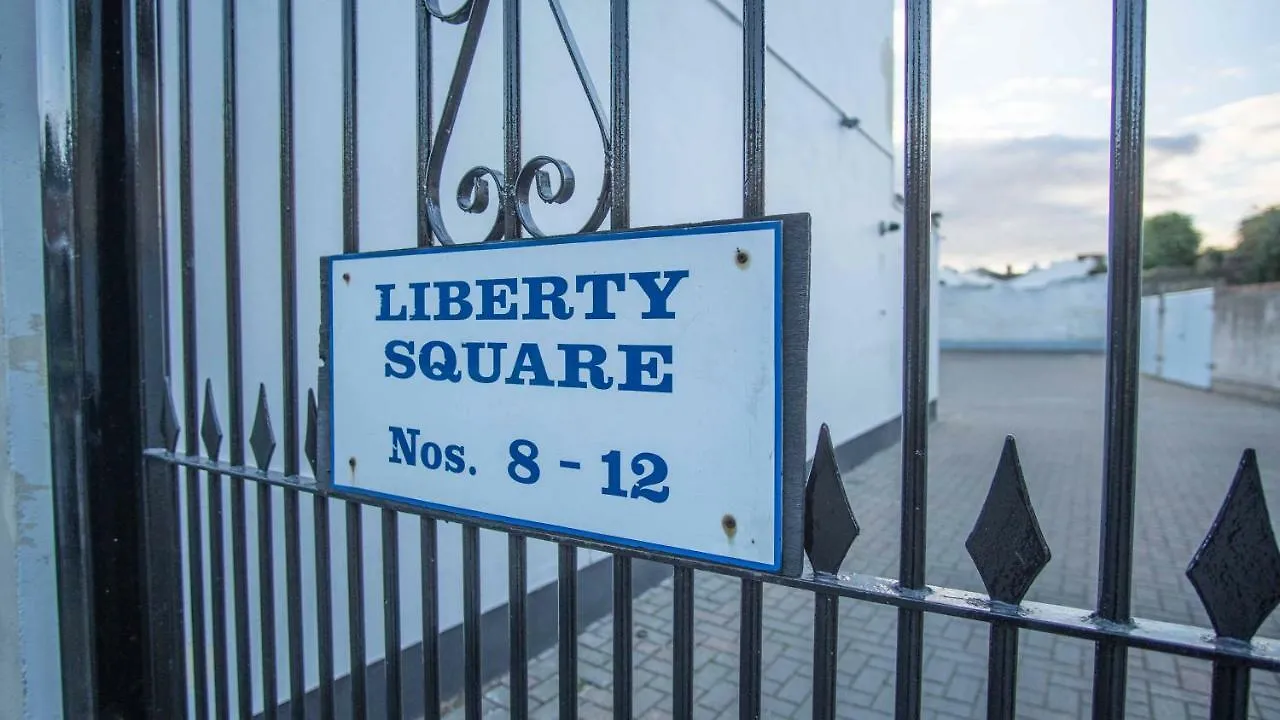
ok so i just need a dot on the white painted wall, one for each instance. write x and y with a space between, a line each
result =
1178 337
30 678
1187 338
1150 329
1246 341
1069 315
686 166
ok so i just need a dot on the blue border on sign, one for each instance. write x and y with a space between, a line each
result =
775 225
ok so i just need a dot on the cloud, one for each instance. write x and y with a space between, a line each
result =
1235 172
1021 199
1032 199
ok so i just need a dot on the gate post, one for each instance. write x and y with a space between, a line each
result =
120 636
143 250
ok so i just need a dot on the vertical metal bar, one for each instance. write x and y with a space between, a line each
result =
165 679
289 365
682 644
235 381
517 587
430 621
751 646
350 151
622 619
620 218
218 590
753 71
293 596
567 588
190 377
67 186
351 243
231 230
620 96
324 606
753 56
471 620
391 608
1230 699
196 572
267 599
915 351
424 118
511 114
1002 672
240 597
1124 287
826 630
355 607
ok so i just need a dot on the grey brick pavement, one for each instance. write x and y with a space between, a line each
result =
1189 444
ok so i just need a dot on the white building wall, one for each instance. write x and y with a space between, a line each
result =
1068 315
30 676
1187 338
1246 341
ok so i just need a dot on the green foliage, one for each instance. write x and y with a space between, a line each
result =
1169 240
1211 261
1257 258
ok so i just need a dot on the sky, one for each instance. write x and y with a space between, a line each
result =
1021 121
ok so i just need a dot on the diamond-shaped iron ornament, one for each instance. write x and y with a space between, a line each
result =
309 444
1006 543
1236 571
169 427
829 525
262 439
210 428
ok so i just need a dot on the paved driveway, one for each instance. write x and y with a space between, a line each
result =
1189 444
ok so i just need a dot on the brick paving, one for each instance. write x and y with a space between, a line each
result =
1189 444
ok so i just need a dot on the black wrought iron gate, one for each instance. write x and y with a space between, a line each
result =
126 616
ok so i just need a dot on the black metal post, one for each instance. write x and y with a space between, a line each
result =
423 77
1124 287
162 562
826 631
517 582
289 366
915 352
1002 672
430 621
471 621
619 219
567 590
510 115
391 609
682 643
751 635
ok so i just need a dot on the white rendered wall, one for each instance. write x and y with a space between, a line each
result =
1069 315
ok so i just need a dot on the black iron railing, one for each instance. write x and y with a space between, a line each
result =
1235 571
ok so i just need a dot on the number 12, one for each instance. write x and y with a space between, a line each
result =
650 469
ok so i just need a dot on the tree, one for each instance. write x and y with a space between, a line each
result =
1169 240
1257 258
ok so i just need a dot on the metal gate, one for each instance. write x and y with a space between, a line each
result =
126 617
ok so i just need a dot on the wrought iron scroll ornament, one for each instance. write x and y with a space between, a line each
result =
473 189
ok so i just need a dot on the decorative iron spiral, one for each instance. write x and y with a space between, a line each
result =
473 189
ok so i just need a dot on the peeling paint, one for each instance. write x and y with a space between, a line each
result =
27 354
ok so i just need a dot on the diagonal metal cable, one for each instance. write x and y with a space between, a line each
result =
846 120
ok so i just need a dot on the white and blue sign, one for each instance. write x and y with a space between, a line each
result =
627 388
